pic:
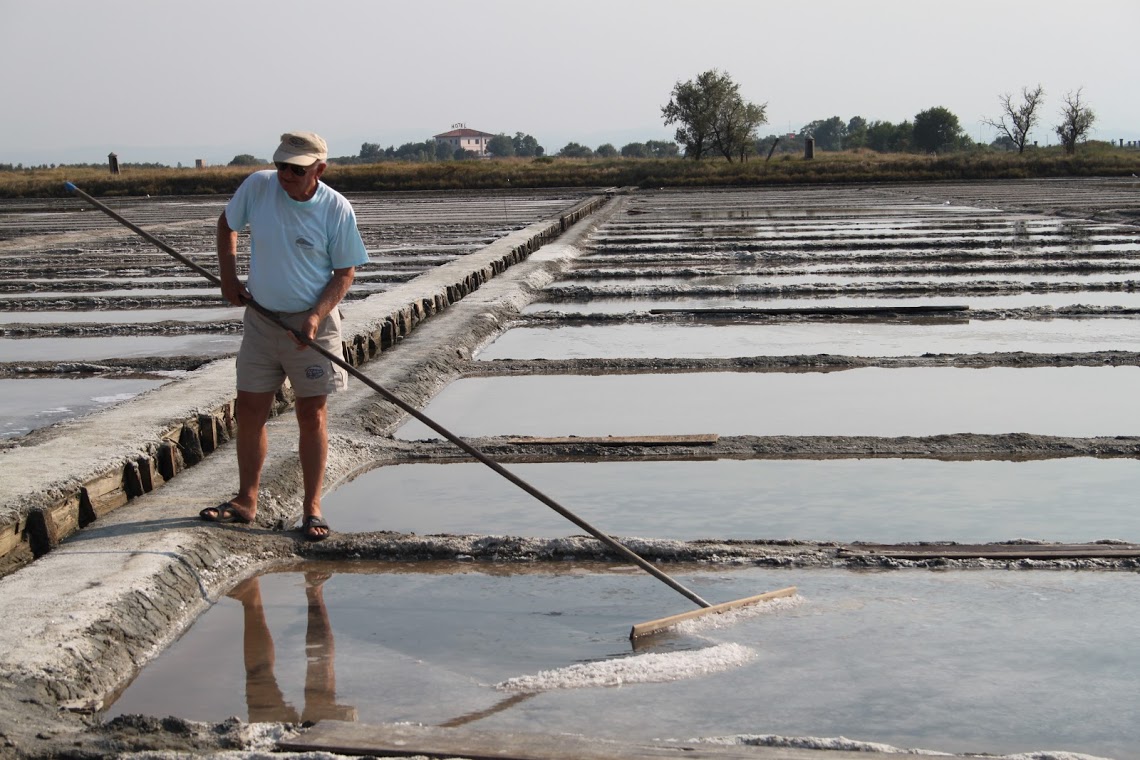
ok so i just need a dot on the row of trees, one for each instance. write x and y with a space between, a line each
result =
648 149
712 118
521 145
935 130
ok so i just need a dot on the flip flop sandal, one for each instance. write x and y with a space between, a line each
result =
225 512
308 522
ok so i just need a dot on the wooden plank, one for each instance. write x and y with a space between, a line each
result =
429 741
654 626
11 536
698 439
105 493
62 519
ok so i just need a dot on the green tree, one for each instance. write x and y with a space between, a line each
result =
711 116
734 130
574 150
1076 122
501 146
245 159
856 133
1022 116
371 152
635 150
606 150
662 148
936 130
526 146
885 137
1003 142
418 151
828 133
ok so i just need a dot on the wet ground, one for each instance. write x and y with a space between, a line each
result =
999 426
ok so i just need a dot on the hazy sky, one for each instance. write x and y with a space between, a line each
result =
176 80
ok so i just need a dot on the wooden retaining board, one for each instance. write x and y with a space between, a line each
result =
409 741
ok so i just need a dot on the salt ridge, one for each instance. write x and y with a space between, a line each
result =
642 668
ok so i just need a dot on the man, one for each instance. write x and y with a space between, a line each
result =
304 250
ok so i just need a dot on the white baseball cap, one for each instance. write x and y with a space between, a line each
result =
301 148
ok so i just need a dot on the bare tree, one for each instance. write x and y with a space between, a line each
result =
1076 121
1022 117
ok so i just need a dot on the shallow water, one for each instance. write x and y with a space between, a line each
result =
32 403
877 500
118 346
120 316
866 338
1068 401
1016 301
846 280
980 661
206 292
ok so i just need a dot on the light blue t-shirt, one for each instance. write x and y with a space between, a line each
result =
294 245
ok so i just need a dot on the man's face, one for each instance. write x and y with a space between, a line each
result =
300 182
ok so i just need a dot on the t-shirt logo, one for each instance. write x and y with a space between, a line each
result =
303 242
315 372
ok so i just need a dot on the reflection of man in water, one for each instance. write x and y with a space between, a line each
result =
263 696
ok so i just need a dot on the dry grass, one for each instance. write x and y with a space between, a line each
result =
842 167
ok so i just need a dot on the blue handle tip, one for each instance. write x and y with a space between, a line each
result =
70 187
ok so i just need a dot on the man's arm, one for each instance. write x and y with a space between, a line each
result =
232 288
331 296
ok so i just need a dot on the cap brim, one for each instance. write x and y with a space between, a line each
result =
304 159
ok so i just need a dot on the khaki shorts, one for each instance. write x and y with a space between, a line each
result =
268 355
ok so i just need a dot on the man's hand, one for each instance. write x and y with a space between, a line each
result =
308 328
235 292
233 289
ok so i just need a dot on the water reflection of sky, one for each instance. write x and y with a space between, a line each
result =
120 316
119 346
878 500
1014 301
839 280
28 404
1066 401
897 338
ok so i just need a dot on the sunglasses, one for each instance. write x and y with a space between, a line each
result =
298 170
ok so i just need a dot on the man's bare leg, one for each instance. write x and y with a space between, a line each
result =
312 421
252 446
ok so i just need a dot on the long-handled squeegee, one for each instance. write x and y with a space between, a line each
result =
641 629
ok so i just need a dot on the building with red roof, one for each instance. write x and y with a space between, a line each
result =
460 137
